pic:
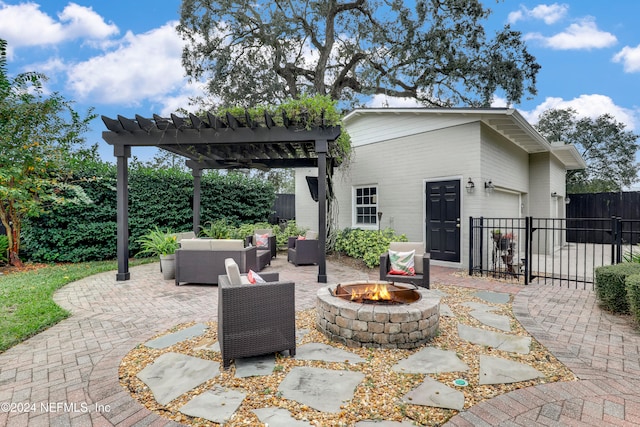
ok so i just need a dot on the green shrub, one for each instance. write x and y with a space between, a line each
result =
632 256
610 285
632 285
366 245
218 229
157 242
290 230
4 248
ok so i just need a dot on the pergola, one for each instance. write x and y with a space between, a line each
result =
215 142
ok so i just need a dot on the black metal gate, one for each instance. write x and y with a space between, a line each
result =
550 249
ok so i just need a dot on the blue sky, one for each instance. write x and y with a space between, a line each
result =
123 57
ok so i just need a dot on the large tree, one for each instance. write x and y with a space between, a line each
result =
39 137
435 51
608 149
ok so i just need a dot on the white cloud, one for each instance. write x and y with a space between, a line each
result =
581 35
26 25
550 14
630 57
144 67
588 106
79 21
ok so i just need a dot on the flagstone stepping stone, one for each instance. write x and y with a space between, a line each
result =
435 394
278 417
173 374
321 389
445 310
214 346
217 404
255 366
175 337
496 370
300 334
327 353
494 297
478 306
431 360
497 321
496 340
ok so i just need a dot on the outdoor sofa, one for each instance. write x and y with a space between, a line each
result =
254 318
421 264
202 260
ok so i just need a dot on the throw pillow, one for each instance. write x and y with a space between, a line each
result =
261 239
402 263
254 277
302 238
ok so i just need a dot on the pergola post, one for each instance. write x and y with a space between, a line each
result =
197 175
321 150
122 153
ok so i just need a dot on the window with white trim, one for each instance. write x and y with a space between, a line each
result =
365 206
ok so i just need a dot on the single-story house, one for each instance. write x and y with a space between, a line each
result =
424 171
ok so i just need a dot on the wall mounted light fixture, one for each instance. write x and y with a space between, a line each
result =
470 186
489 187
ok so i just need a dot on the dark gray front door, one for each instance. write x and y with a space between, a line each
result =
443 220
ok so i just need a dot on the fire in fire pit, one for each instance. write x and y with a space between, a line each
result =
376 293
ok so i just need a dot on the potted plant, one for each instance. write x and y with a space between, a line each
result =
162 244
496 234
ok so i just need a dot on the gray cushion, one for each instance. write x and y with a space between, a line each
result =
226 244
233 272
195 244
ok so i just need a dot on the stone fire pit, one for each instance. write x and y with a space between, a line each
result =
356 324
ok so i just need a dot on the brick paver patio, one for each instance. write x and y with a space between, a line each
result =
68 374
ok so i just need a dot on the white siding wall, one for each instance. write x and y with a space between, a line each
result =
306 208
368 129
540 185
400 153
507 166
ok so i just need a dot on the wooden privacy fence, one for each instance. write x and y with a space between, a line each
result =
584 207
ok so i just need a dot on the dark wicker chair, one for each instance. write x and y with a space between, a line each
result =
303 251
255 319
422 265
272 247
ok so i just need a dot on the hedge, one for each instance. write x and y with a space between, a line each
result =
632 284
610 286
157 197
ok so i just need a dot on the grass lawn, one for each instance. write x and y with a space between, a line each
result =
26 297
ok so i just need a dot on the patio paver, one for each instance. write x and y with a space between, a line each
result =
76 361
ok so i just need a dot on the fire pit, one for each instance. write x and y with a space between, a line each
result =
376 293
377 314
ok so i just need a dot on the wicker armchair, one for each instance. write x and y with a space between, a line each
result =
254 319
421 261
303 251
273 245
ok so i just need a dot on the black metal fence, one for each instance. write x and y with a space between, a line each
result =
530 248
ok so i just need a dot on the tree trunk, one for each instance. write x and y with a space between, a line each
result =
14 245
11 222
